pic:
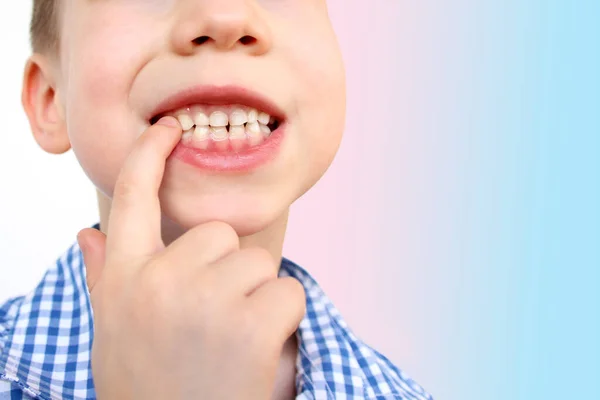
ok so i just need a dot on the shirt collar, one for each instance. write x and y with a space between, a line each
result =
46 337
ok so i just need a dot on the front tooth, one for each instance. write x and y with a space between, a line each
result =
253 127
218 119
201 119
200 132
252 115
238 117
264 118
237 131
186 121
218 133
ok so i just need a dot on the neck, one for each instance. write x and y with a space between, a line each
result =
270 238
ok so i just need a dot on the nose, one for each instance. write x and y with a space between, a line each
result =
224 24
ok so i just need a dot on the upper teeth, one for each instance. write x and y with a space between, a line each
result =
264 118
238 118
219 119
185 121
201 119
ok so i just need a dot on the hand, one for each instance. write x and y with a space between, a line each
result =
198 319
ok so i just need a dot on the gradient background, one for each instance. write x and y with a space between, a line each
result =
458 230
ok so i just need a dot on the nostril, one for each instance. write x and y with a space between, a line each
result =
247 40
201 40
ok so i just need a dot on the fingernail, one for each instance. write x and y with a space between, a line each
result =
168 121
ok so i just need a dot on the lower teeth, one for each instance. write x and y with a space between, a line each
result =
205 137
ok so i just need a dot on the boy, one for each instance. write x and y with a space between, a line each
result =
200 122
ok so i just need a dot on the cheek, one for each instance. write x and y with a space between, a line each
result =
321 87
100 166
101 139
106 47
101 68
98 123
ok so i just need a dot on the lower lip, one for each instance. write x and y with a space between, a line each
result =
245 160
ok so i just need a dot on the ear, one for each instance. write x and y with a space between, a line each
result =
42 105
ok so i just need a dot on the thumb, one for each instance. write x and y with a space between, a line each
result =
93 244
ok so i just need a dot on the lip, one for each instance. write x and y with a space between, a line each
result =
217 95
243 161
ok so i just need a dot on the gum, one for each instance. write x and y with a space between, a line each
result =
227 145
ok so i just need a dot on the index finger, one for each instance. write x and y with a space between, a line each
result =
135 216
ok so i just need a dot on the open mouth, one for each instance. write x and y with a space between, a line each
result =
225 118
223 127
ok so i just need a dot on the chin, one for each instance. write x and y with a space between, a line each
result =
246 217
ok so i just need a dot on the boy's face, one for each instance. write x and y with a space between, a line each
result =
120 59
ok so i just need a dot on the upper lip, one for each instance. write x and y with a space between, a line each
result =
217 95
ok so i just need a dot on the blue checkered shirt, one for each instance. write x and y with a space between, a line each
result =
46 339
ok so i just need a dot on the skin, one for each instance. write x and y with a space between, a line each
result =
117 59
170 320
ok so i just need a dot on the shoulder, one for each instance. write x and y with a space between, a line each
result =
45 335
334 361
8 390
8 314
12 391
387 378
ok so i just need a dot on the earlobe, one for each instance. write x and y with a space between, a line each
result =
40 101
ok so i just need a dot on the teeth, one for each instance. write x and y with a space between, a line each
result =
201 119
187 134
218 133
201 133
265 130
238 118
185 121
255 140
219 119
253 127
237 131
264 118
252 115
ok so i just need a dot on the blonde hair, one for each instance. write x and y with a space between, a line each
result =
43 30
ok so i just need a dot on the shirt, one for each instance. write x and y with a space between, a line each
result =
46 339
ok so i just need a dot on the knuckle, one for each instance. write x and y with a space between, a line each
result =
295 291
124 189
222 231
263 264
258 256
221 236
